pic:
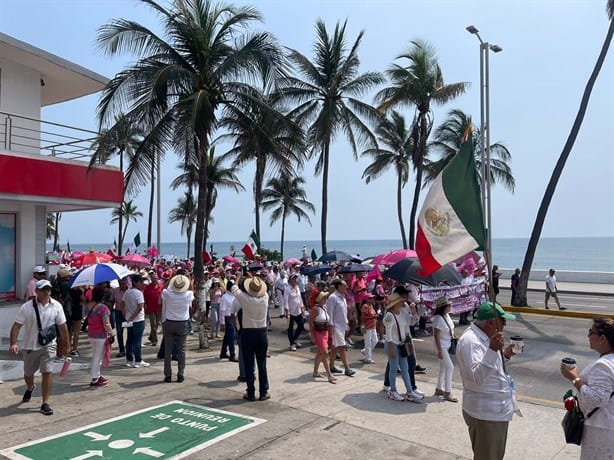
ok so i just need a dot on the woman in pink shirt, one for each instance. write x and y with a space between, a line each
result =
98 330
215 294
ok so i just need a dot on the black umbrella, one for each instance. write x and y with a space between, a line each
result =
355 268
335 256
317 270
407 271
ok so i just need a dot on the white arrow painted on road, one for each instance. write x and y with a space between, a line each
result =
97 436
151 434
147 451
90 453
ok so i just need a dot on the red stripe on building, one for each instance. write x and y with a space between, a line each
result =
50 178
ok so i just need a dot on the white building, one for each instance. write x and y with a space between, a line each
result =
43 165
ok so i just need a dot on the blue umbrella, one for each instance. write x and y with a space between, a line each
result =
355 268
317 270
98 273
335 256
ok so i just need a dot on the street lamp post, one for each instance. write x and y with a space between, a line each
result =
485 47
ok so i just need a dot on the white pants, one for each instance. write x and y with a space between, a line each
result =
446 369
370 337
97 355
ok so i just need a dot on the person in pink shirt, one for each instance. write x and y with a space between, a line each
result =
98 330
153 306
368 317
39 273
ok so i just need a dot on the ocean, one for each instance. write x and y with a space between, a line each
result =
574 254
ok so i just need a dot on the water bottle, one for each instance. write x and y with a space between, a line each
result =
65 366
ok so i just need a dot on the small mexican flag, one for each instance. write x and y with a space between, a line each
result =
251 247
137 239
450 223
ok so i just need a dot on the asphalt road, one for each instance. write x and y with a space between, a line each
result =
536 372
576 302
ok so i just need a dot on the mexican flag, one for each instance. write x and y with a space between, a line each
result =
451 223
251 247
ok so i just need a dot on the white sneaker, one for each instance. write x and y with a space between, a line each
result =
395 396
350 341
418 393
292 347
298 344
141 364
130 364
412 398
386 389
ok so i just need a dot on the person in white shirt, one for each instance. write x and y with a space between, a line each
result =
133 310
443 333
176 304
488 391
294 307
595 389
337 308
36 356
228 345
551 290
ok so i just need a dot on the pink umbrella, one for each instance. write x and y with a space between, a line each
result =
393 257
136 259
292 261
152 251
231 260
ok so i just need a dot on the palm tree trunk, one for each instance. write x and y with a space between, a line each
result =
188 233
400 210
199 233
120 223
283 232
56 232
324 195
558 170
152 194
258 179
414 209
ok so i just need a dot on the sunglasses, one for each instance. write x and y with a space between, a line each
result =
591 332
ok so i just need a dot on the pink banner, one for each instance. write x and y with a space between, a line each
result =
463 298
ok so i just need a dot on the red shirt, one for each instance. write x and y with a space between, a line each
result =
152 293
368 316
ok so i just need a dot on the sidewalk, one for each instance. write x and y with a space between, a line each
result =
574 288
305 417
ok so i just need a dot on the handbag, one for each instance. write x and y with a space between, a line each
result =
453 340
407 347
320 322
47 335
573 423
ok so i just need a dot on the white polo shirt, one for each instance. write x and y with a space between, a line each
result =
50 314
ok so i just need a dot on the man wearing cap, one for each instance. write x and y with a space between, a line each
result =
488 391
133 305
37 356
254 303
39 273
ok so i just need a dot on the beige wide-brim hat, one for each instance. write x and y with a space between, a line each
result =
394 299
255 287
179 283
322 296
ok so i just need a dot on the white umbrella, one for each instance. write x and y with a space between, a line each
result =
99 273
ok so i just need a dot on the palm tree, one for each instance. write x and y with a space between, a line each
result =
285 195
418 84
560 164
182 78
327 101
126 211
123 138
393 133
51 226
185 212
448 138
274 142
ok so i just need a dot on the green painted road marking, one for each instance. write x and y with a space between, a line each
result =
171 430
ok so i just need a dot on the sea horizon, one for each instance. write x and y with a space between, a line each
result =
593 254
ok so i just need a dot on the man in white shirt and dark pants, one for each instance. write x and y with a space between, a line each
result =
294 307
551 290
488 391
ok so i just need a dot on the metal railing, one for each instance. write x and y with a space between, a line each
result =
23 134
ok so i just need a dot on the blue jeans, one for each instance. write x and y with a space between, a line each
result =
254 343
411 366
228 345
393 365
119 319
133 343
292 334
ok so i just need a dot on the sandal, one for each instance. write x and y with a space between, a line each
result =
317 375
332 380
447 396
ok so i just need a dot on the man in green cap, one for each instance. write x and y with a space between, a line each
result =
488 391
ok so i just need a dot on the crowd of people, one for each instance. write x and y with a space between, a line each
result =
340 305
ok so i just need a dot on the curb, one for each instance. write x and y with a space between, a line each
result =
566 291
562 313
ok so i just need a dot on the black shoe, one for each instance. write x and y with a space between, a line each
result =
334 370
180 379
420 370
121 354
168 379
264 397
562 308
160 356
174 358
28 394
46 410
249 397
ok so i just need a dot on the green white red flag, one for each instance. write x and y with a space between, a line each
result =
251 247
451 223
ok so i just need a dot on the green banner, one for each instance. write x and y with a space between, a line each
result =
172 430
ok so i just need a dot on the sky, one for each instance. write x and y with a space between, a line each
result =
536 83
